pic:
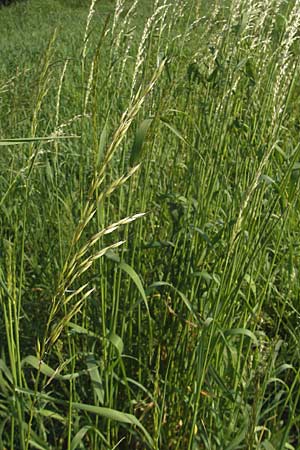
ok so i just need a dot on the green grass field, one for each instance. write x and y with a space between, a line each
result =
150 225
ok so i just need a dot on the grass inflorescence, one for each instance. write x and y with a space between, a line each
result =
149 212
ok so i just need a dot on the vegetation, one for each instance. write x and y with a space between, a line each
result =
149 212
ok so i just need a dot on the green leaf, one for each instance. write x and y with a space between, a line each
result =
220 383
6 371
108 413
240 437
174 130
242 332
289 446
46 370
77 329
115 415
51 414
137 281
112 255
251 283
34 362
20 141
267 445
102 143
279 150
181 295
95 377
35 441
284 367
78 438
140 136
116 341
204 276
266 179
37 445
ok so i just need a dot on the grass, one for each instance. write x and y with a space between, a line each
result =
149 239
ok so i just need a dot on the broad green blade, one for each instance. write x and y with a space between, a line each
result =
108 413
242 332
20 141
93 370
34 362
136 151
137 281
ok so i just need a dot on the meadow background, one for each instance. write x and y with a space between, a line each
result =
149 225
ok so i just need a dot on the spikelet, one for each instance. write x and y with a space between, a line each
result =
87 28
150 24
286 64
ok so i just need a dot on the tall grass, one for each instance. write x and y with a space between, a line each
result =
149 245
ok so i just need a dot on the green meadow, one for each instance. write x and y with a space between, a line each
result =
150 225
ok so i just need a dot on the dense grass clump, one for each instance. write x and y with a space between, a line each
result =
149 225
